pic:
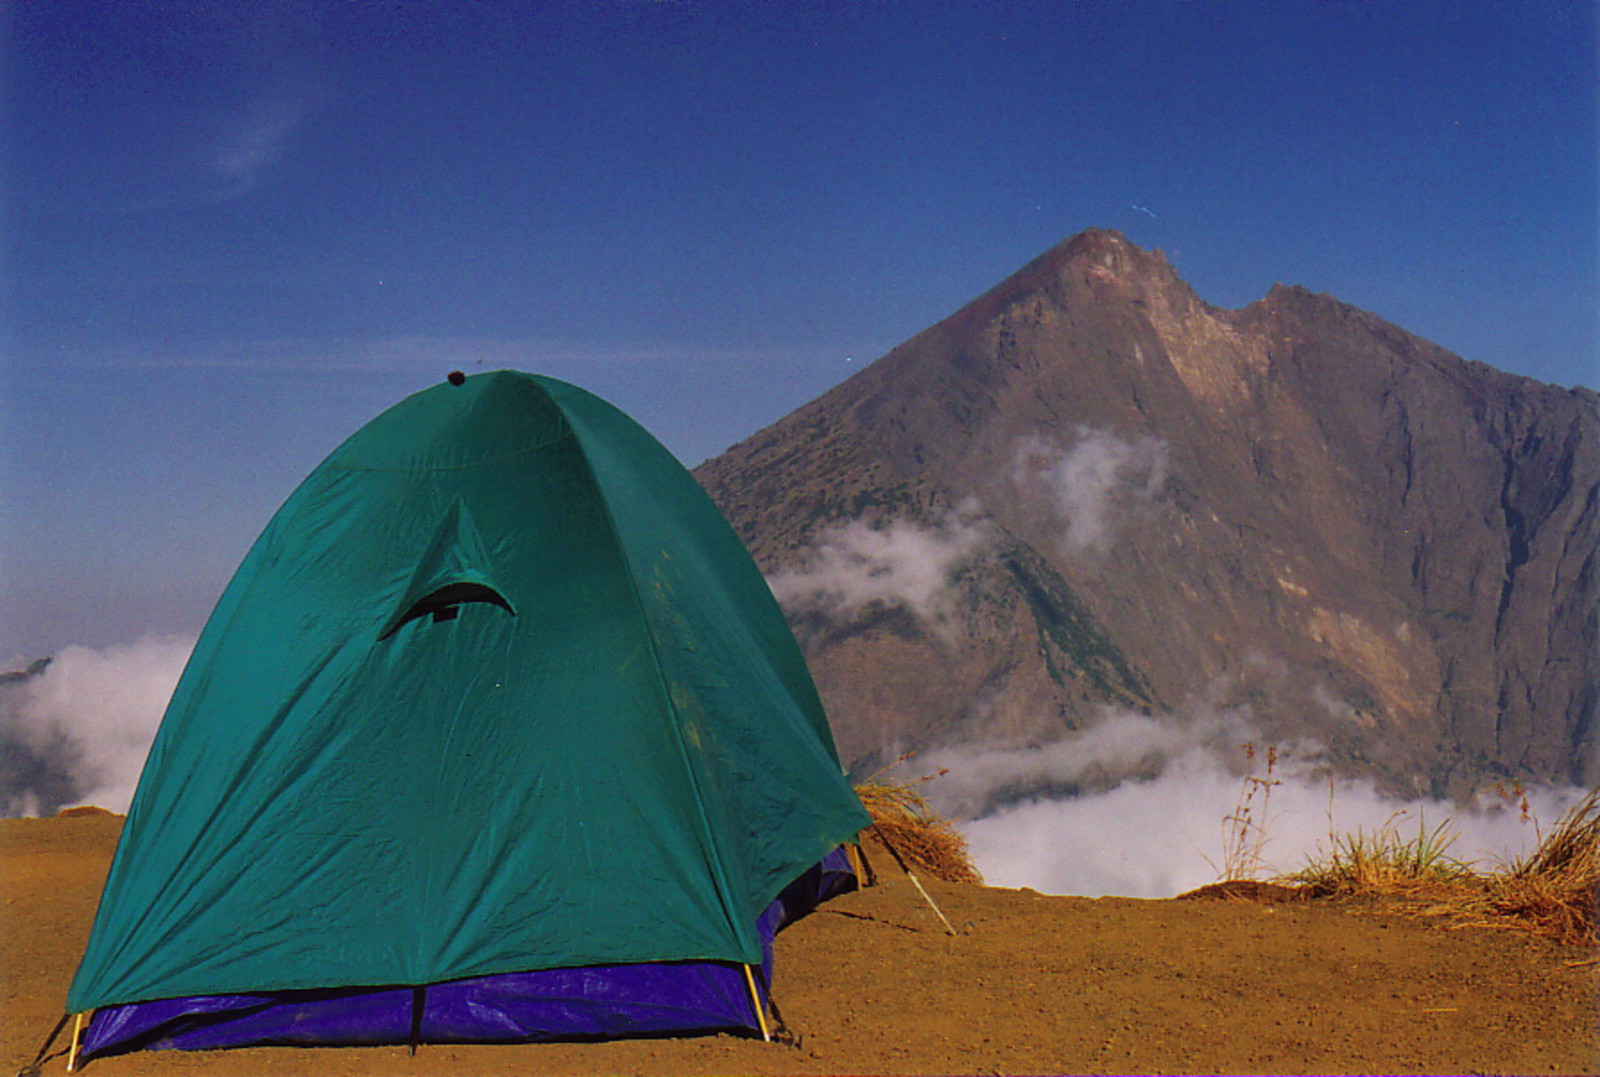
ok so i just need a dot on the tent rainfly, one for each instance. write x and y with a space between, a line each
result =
497 734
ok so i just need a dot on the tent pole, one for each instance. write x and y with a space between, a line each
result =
72 1052
858 864
755 999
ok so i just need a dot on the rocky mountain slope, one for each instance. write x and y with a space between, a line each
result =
1088 494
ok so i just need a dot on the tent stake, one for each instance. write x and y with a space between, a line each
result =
32 1069
72 1052
418 1002
755 999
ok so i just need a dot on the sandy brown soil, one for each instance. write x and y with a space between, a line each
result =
1034 984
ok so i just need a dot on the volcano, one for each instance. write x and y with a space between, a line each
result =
1089 494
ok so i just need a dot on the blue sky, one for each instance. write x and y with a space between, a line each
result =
234 232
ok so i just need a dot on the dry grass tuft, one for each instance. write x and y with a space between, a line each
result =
1553 889
922 837
1384 861
1551 892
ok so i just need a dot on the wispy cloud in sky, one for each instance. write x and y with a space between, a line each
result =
254 144
276 85
213 111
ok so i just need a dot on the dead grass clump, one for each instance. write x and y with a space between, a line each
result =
1250 890
1553 889
922 837
1551 892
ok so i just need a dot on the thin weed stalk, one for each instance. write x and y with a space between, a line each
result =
1244 829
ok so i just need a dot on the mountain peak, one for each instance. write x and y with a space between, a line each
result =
1102 252
1096 240
1094 262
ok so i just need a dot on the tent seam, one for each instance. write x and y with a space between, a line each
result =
724 891
335 466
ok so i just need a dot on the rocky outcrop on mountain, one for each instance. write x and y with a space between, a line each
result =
1089 493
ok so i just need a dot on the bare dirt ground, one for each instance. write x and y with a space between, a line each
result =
871 983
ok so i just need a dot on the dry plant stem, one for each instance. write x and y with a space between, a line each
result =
912 831
931 903
1244 834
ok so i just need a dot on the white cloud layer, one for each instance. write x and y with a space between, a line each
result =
89 716
1163 828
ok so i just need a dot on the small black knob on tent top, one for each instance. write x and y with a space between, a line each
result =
455 377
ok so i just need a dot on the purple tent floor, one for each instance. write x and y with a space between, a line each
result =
659 998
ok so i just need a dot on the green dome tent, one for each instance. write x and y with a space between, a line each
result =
497 692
